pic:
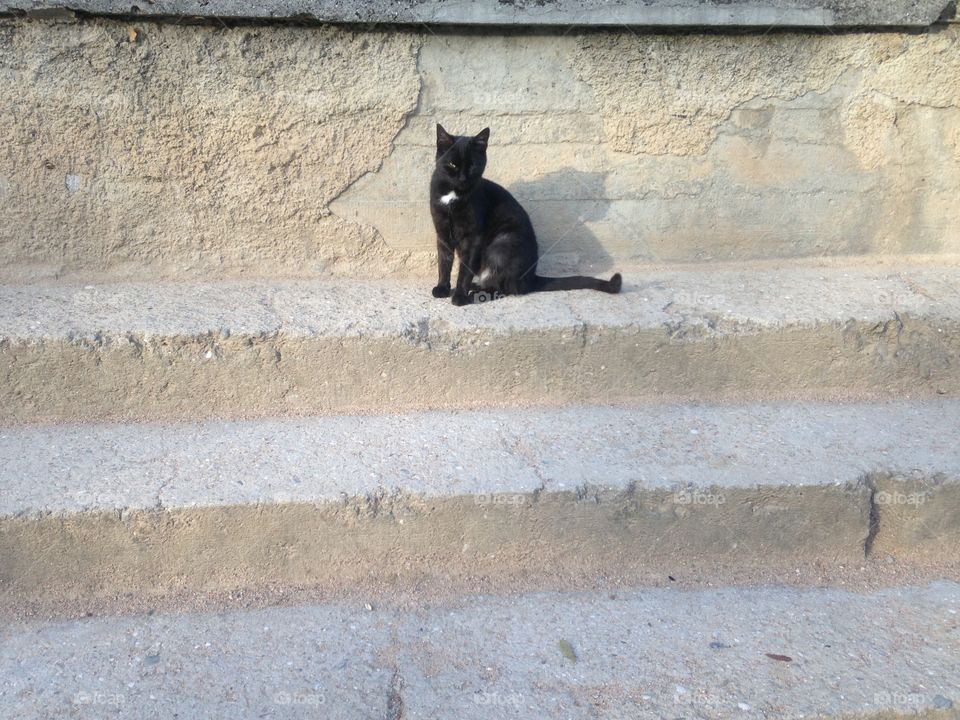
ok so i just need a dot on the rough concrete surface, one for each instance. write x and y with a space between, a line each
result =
916 517
749 654
64 469
89 511
191 147
693 148
809 13
140 150
251 349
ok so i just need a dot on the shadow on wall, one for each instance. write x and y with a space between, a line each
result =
561 205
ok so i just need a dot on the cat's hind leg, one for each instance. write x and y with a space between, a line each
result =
465 274
485 287
497 277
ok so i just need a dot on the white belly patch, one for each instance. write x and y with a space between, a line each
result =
448 198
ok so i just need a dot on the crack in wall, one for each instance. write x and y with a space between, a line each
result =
412 112
752 196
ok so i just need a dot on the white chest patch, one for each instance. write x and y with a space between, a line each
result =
448 198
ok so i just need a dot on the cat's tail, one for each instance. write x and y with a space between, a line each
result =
578 282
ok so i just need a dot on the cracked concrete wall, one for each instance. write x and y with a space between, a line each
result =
159 150
169 150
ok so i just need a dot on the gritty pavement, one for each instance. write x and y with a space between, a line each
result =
764 652
713 299
71 468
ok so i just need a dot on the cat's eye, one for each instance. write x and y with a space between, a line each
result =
452 166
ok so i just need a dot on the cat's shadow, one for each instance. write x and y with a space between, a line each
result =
560 204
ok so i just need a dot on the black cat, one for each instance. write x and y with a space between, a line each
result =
489 230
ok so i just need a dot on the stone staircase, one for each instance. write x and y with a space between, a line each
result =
568 468
728 492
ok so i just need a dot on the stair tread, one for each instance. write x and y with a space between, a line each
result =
247 349
88 467
717 301
749 652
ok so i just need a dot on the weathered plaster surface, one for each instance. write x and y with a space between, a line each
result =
158 150
169 149
634 148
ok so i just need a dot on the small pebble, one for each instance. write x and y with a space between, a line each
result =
939 701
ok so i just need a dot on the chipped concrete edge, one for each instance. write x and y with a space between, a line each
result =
394 536
516 540
257 375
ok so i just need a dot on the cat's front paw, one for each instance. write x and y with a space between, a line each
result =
441 291
460 299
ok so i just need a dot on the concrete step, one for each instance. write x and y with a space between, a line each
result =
521 499
248 349
747 653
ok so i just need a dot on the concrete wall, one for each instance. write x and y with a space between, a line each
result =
158 150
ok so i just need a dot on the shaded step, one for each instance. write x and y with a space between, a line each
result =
731 653
242 349
518 498
737 13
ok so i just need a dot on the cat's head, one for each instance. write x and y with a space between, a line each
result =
461 159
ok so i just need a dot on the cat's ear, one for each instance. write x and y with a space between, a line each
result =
444 140
480 139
